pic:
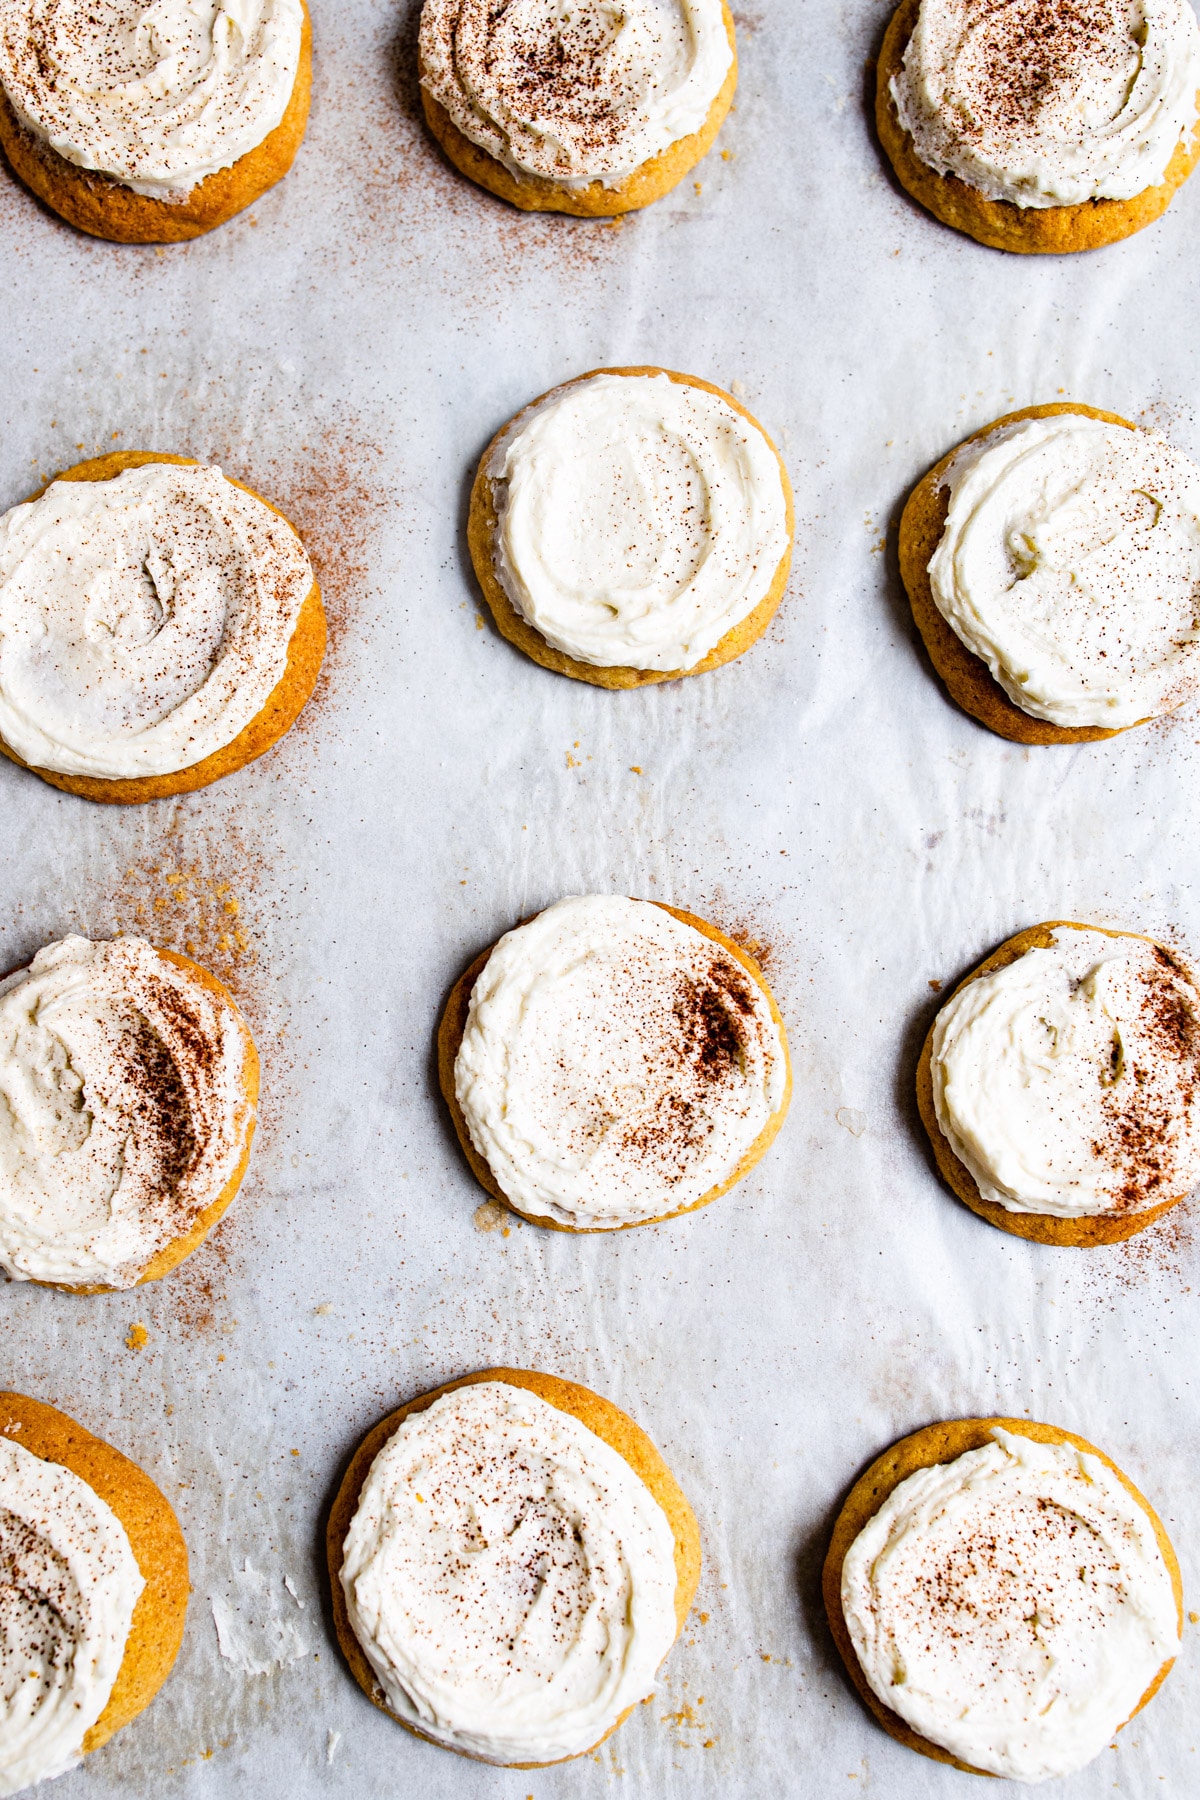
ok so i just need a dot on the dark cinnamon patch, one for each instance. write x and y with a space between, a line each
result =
710 1012
1142 1124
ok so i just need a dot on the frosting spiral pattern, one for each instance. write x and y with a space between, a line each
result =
639 520
1070 563
144 620
575 93
1050 102
123 1109
1012 1606
509 1576
69 1582
156 93
1068 1081
616 1064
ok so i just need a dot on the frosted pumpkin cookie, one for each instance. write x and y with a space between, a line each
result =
511 1560
612 1062
128 1089
589 109
1041 125
632 526
148 124
1053 567
159 627
93 1592
1003 1597
1060 1085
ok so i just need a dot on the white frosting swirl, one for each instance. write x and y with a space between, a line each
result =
156 93
69 1582
144 620
509 1576
123 1112
1070 563
1068 1082
616 1063
575 91
1012 1606
639 520
1050 102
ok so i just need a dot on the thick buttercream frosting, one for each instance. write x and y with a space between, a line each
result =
639 519
616 1064
1068 1082
123 1110
1050 102
579 92
156 93
1070 563
69 1582
509 1576
144 620
1012 1606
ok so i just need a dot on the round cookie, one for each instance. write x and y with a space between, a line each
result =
598 199
967 678
481 536
154 1536
450 1035
923 1449
106 208
306 651
1041 1228
179 1248
1027 230
600 1416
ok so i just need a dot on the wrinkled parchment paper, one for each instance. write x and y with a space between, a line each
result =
348 348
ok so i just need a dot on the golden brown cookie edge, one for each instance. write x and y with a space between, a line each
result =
1042 1228
156 1630
105 208
283 706
943 1443
481 537
450 1035
998 224
535 193
601 1416
178 1249
965 676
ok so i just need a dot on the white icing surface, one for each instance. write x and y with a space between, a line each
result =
616 1063
68 1585
122 1110
156 93
509 1576
144 620
1012 1606
579 92
1068 1082
639 520
1042 103
1070 562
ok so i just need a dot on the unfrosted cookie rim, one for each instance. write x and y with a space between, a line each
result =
453 1024
602 1417
483 525
649 182
104 207
964 675
150 1524
934 1444
1088 1231
274 719
177 1249
1000 224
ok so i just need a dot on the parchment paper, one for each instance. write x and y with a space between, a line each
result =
348 348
